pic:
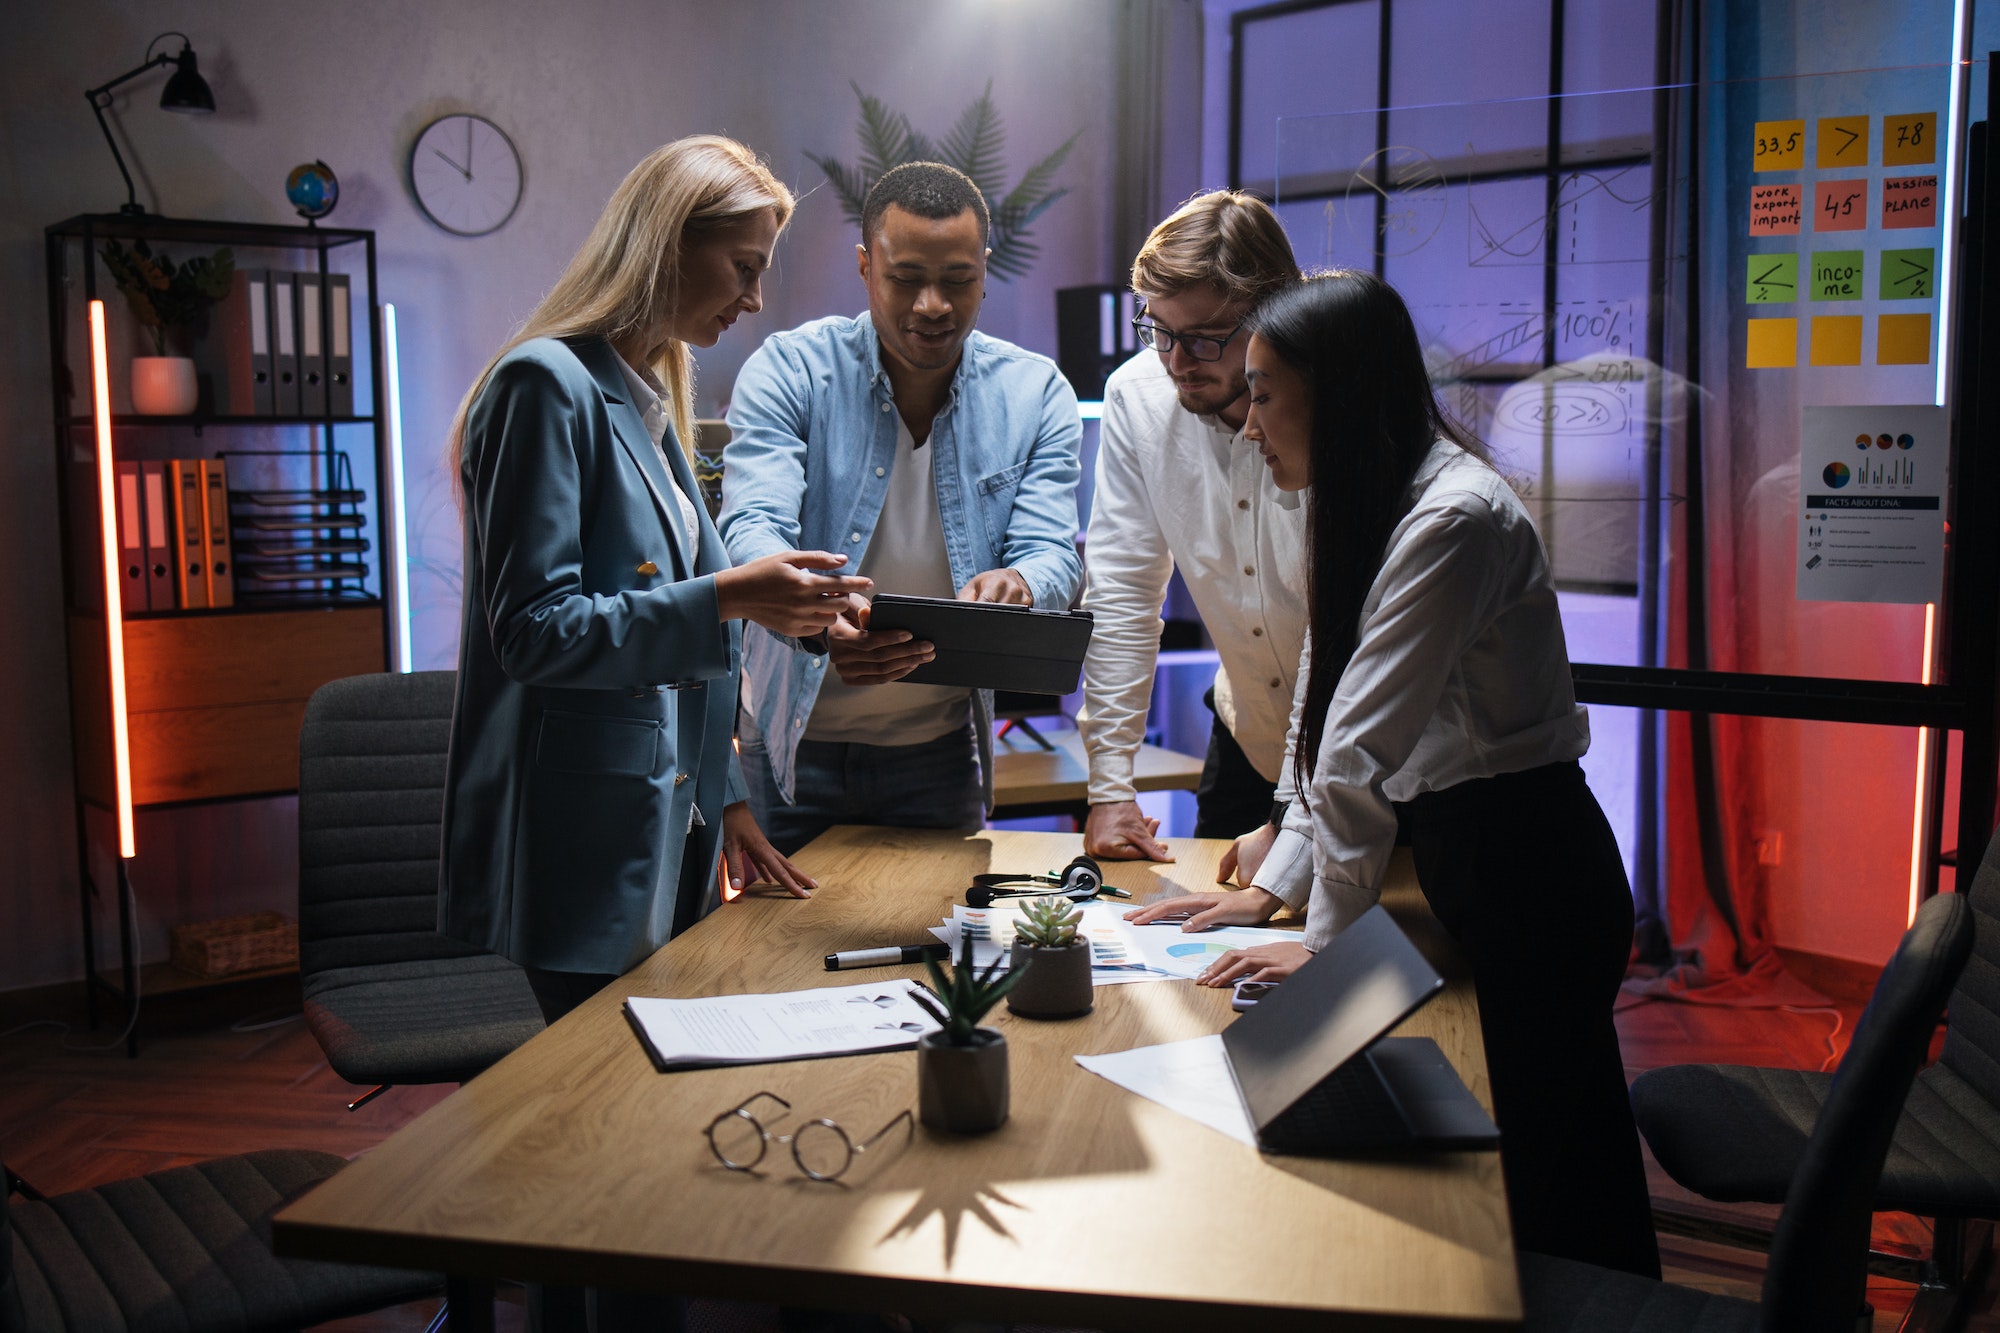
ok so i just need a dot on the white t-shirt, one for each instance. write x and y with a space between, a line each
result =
905 555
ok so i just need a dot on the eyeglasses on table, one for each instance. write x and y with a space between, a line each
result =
821 1148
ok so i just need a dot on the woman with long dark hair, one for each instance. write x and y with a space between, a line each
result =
1436 697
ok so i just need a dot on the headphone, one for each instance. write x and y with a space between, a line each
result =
1079 881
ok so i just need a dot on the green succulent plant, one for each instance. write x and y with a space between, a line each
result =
165 297
965 995
1048 922
973 146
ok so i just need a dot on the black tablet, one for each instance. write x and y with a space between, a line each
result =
989 645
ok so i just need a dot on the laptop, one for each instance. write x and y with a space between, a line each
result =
990 645
1318 1077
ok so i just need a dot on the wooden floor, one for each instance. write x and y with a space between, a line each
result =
201 1088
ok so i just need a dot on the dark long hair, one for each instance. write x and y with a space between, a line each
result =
1374 418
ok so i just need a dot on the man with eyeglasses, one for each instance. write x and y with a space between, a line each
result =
1178 487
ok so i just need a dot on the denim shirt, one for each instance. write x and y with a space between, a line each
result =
812 438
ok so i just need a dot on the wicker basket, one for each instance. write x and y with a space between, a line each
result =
235 944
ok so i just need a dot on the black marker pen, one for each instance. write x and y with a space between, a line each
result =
906 953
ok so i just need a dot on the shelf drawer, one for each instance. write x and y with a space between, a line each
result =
214 701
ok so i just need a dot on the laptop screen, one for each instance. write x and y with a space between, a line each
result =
1351 992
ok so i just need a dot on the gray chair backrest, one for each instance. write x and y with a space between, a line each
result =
371 802
1972 1042
1818 1274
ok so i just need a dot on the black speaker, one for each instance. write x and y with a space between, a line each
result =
1093 336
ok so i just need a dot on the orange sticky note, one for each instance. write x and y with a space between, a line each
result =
1840 206
1909 201
1836 340
1774 343
1781 145
1843 142
1903 340
1908 141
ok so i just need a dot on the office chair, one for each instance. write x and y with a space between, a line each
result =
187 1248
1818 1273
1736 1134
388 998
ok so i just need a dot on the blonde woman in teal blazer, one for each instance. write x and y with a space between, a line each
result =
592 782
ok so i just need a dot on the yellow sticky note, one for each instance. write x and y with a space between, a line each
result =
1774 343
1843 142
1781 145
1903 340
1836 340
1909 140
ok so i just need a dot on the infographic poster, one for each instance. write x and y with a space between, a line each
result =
1872 486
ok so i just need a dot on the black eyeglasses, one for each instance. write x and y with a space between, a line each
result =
821 1149
1202 347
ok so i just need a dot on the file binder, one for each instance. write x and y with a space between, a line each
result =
262 384
190 568
215 519
131 539
312 347
225 357
340 347
284 343
160 544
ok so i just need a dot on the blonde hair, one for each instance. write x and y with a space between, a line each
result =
1226 237
627 273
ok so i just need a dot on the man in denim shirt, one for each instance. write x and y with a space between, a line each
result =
942 463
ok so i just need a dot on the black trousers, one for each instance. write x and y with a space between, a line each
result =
1524 872
1232 798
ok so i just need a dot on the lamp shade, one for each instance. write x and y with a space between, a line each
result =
186 91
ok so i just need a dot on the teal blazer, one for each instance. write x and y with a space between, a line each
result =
591 749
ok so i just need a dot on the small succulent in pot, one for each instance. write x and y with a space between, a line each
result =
1053 961
962 1067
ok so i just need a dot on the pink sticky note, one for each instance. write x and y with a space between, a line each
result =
1909 201
1774 210
1841 206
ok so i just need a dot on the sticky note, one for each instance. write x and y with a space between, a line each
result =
1906 275
1842 142
1836 340
1909 201
1773 343
1774 210
1781 145
1773 278
1903 340
1836 275
1908 141
1840 206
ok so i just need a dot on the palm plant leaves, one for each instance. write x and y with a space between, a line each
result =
975 145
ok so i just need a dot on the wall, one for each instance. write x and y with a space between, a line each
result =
583 100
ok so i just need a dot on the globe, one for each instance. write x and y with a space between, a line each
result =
313 189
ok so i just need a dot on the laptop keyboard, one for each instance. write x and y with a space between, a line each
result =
1349 1108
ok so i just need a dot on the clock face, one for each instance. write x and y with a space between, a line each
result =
466 174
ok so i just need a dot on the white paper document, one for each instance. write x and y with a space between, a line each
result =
1191 1077
763 1029
1119 951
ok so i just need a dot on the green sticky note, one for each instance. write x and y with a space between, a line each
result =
1836 275
1907 275
1773 278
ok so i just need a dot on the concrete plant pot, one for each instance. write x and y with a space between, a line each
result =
962 1089
1055 983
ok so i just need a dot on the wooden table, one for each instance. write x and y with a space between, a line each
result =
1029 780
573 1161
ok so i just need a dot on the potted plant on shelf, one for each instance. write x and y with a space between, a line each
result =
170 302
1053 964
962 1067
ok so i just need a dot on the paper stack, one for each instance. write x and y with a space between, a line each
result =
1119 951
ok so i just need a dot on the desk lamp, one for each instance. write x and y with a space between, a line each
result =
186 92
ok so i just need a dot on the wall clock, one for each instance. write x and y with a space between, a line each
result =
466 173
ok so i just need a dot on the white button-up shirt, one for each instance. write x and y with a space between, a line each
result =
1460 672
1173 489
653 414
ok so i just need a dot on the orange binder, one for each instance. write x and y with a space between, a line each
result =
215 516
191 569
131 539
162 542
